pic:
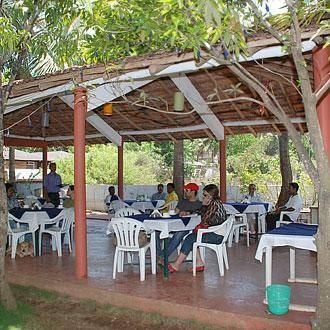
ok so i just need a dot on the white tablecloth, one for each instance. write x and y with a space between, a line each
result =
271 240
165 226
251 208
147 205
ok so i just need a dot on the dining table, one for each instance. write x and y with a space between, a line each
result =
260 210
165 226
36 218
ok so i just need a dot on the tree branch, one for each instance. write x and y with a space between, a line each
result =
274 32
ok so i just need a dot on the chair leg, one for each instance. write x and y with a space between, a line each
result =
115 261
40 242
69 238
121 256
237 230
230 238
220 261
34 243
59 245
142 264
225 256
247 235
14 246
194 258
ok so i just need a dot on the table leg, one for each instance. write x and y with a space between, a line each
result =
36 240
257 225
165 269
292 265
268 269
153 252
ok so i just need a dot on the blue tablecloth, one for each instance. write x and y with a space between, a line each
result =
241 207
18 213
298 229
131 201
41 200
142 217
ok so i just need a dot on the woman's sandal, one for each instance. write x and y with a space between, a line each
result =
171 269
198 269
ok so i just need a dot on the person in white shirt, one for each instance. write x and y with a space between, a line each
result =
252 197
293 205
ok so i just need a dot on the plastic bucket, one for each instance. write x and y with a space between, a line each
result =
278 297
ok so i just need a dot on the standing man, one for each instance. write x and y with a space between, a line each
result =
52 185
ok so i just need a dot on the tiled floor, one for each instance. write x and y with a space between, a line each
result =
240 291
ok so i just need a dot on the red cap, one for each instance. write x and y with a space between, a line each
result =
191 186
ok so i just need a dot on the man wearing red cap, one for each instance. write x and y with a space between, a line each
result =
189 205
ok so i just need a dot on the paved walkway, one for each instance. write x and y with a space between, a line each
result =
234 300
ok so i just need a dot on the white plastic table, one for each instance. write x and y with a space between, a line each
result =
266 244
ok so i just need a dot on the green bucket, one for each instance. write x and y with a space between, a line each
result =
278 297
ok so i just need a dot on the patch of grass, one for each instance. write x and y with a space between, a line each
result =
14 319
30 291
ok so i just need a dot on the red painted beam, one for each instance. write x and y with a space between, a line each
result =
321 69
44 166
79 127
121 171
15 142
222 166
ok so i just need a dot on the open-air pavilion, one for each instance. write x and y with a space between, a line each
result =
74 100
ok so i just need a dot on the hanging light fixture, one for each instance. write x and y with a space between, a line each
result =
107 109
178 101
45 119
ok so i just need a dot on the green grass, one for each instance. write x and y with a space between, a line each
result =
38 309
14 319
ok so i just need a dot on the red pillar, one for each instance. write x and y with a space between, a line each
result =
222 166
79 122
121 171
44 166
321 68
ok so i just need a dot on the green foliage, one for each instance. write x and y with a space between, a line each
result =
140 166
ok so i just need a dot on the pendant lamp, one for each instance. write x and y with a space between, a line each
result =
107 109
178 101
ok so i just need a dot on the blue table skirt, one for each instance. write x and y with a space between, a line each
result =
52 212
131 201
241 207
298 229
142 217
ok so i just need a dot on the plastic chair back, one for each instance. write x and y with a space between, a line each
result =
224 229
127 232
126 211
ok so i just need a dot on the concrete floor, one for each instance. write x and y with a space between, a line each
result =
233 300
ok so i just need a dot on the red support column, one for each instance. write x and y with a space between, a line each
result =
121 171
44 167
79 117
321 68
222 166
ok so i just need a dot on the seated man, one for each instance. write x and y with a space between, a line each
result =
294 205
251 197
160 194
171 196
112 196
189 205
69 202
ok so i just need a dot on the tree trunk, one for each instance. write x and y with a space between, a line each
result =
6 296
285 166
322 320
12 164
178 169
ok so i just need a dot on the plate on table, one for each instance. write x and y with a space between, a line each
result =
189 215
166 216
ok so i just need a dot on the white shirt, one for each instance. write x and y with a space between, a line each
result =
254 198
294 202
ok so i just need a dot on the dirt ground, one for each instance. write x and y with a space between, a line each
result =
40 309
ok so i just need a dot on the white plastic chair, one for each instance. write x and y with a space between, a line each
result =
281 221
171 205
16 233
127 233
239 223
116 205
58 229
126 211
220 249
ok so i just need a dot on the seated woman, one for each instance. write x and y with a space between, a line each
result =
212 214
69 202
12 201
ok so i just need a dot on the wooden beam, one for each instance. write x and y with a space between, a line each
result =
197 101
24 142
293 111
